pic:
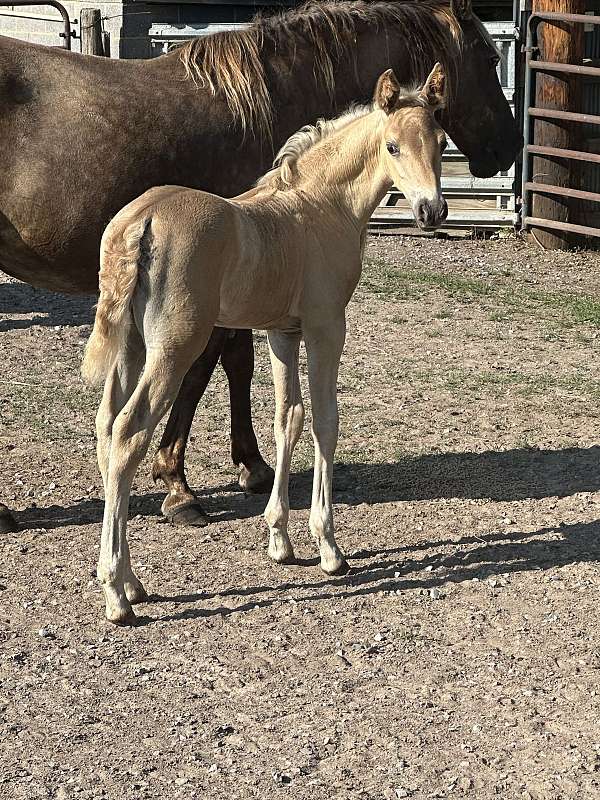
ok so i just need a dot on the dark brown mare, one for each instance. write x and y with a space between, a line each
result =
81 136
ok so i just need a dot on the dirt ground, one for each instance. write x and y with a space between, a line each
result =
460 658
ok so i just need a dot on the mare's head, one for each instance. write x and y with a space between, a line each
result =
413 141
477 116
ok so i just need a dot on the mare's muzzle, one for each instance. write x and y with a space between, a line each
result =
431 213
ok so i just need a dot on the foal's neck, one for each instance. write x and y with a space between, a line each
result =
343 172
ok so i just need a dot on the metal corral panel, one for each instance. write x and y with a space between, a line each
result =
590 175
472 202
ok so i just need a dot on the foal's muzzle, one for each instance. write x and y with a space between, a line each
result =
431 213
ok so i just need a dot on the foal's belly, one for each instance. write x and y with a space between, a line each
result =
261 294
285 323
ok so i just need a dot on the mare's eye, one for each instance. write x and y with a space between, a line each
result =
443 145
494 61
392 149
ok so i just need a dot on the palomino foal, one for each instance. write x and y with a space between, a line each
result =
285 257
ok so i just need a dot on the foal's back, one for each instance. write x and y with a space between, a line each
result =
242 259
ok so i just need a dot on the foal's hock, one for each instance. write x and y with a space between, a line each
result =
285 257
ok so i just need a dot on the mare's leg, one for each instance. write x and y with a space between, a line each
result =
324 346
130 437
237 360
181 505
289 419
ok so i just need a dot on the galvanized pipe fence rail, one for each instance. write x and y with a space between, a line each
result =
530 112
67 34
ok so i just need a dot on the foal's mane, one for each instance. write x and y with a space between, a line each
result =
284 174
230 63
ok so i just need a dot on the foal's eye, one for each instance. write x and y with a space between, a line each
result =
494 61
443 145
392 149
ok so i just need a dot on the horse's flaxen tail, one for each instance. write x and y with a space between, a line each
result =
120 253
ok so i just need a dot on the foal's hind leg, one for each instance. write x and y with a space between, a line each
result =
289 419
131 434
118 388
324 345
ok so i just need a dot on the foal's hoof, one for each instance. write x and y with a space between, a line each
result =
135 592
281 555
8 524
190 513
124 618
258 479
341 568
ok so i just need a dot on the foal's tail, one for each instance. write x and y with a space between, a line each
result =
122 248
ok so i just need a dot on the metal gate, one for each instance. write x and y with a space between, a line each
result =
472 202
530 113
66 34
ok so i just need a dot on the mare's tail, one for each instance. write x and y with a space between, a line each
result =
123 246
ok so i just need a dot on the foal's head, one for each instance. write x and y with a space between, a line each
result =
413 142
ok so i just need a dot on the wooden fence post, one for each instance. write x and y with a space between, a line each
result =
559 42
90 26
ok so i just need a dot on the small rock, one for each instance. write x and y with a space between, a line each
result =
45 633
435 593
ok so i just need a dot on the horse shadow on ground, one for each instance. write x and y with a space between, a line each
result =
48 309
498 476
511 475
404 568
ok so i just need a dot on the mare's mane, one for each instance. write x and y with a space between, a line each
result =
230 63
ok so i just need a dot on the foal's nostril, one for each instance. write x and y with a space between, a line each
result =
431 214
424 213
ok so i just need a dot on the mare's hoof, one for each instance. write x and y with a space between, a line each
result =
258 479
342 569
190 513
8 524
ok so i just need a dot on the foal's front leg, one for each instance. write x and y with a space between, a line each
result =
324 345
289 419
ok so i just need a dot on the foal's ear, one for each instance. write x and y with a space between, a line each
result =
434 88
387 91
461 8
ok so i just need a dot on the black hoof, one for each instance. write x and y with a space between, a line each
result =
8 524
257 480
189 514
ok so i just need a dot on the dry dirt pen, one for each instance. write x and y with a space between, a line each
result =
459 659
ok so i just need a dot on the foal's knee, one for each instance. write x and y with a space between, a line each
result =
276 515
